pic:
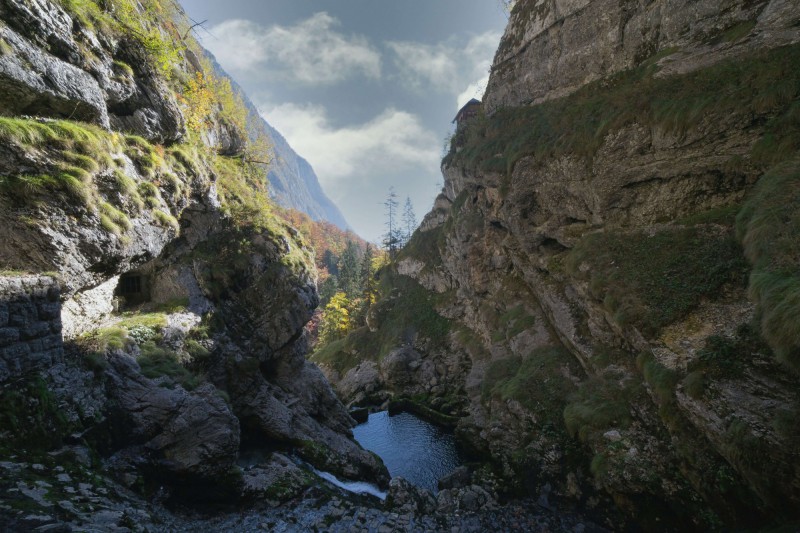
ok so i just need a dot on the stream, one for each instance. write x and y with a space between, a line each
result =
410 447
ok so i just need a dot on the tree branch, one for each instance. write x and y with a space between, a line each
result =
193 26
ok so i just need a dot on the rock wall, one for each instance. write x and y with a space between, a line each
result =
584 252
30 325
553 47
48 70
100 178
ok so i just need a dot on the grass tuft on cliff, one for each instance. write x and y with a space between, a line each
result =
651 280
599 404
80 158
765 83
769 228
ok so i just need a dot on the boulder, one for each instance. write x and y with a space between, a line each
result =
277 479
458 478
360 382
191 435
469 498
302 410
403 497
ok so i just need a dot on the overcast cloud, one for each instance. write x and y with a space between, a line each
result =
458 66
351 153
311 51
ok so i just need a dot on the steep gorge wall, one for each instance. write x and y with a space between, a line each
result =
583 251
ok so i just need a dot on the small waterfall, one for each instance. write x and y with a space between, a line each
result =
358 487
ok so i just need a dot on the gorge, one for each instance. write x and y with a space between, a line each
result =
602 303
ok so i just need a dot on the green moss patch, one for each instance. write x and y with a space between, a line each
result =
425 246
30 420
420 409
662 380
649 281
769 227
158 361
599 404
537 381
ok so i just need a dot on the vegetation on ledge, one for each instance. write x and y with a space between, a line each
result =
651 280
764 84
403 312
86 167
769 227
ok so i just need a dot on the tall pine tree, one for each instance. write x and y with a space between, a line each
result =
350 271
409 220
392 239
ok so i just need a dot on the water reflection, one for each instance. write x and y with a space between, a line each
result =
410 447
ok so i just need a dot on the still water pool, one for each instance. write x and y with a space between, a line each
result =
410 447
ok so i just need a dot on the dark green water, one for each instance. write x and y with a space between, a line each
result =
410 447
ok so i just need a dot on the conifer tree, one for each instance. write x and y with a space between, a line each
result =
350 271
392 238
366 268
409 220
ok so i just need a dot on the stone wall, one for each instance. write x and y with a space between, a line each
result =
30 325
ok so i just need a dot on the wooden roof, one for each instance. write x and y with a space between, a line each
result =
469 105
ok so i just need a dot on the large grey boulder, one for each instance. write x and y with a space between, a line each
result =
192 435
301 409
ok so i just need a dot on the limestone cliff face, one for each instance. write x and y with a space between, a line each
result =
583 252
552 48
122 157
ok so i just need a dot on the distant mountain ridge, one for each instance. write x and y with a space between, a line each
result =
293 182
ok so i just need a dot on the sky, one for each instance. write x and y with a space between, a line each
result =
365 90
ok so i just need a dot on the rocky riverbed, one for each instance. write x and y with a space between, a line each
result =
65 493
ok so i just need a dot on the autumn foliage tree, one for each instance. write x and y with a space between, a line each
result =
347 267
335 319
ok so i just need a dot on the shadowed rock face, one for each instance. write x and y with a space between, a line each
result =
190 435
257 279
30 325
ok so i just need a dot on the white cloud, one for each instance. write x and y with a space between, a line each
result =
455 67
391 140
311 51
473 90
422 64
